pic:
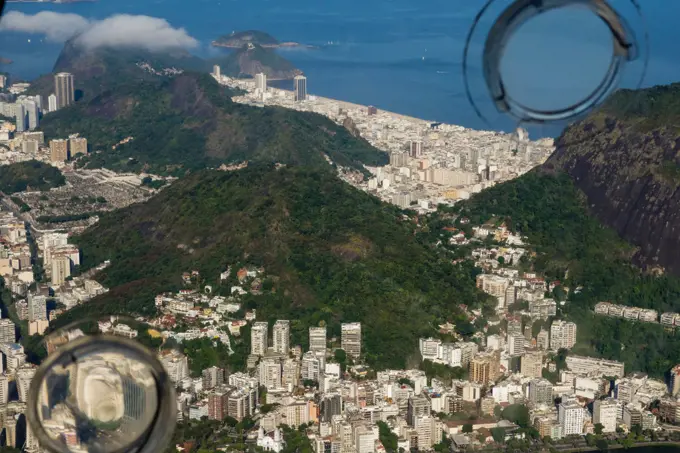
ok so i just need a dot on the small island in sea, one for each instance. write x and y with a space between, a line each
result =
5 60
236 40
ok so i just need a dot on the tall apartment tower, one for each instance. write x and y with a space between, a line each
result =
562 335
281 336
350 339
58 150
415 149
217 72
20 116
300 88
33 113
4 389
61 269
24 376
37 307
213 377
52 102
259 338
7 332
64 89
605 412
77 145
570 417
261 82
317 338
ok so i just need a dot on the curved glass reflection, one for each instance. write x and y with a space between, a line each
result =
99 402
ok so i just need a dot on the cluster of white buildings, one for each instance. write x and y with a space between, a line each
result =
633 313
429 163
16 266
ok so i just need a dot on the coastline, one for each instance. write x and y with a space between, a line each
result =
282 45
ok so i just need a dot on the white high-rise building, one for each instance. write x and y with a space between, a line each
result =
300 82
415 149
350 339
64 89
571 418
281 336
317 338
259 338
431 348
269 373
20 117
52 102
7 332
4 389
61 269
605 412
176 364
217 72
24 376
33 113
37 307
562 335
261 82
312 365
364 439
516 344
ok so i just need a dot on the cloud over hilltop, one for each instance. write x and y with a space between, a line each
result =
121 30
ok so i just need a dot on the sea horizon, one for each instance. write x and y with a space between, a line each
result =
397 55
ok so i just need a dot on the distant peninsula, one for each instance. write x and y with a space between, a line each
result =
236 40
252 59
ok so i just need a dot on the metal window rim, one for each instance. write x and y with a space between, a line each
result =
626 46
157 434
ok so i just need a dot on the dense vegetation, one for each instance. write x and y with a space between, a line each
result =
650 108
573 247
333 253
189 122
105 68
29 175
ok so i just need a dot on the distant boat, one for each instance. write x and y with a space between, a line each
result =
423 58
442 72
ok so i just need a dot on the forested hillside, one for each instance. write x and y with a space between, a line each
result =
332 254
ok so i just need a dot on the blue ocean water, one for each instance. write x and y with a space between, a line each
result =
399 55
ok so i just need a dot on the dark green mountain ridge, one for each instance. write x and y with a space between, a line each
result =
611 179
103 68
626 160
340 254
188 122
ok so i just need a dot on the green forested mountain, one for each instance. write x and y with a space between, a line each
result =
30 175
625 160
331 253
591 260
189 122
97 70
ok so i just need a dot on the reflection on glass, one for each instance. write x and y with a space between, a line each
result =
99 402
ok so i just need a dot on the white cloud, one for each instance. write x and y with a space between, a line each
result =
55 26
144 32
123 30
